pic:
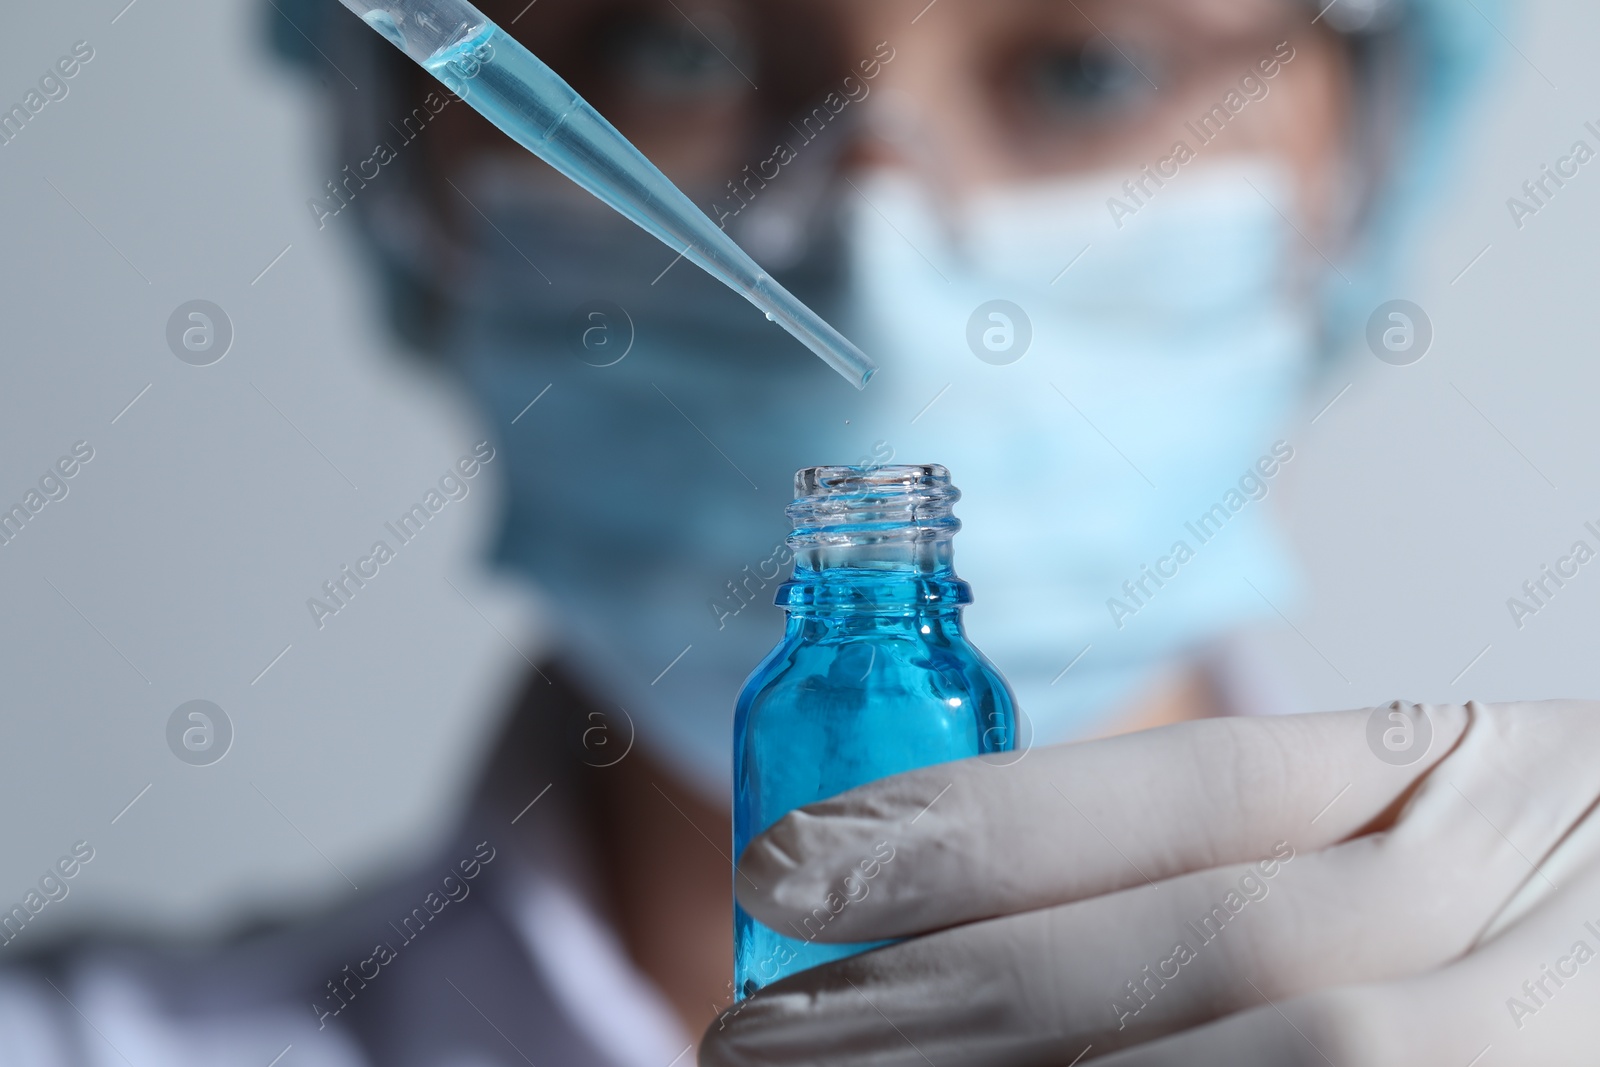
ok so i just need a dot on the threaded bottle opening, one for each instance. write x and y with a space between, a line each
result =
841 507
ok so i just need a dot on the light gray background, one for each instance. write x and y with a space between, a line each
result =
178 566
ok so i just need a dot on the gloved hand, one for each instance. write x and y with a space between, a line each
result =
1337 889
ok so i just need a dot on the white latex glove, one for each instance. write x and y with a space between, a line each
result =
1334 909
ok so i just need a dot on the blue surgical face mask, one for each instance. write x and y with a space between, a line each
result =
647 496
1161 359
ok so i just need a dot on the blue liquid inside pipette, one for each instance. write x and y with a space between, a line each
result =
517 92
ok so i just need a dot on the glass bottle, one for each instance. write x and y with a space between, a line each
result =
874 676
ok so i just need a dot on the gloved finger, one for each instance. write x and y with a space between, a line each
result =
1035 987
1360 1027
974 839
1108 972
1531 998
1134 965
1570 861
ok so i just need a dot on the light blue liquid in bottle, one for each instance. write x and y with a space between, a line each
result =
874 676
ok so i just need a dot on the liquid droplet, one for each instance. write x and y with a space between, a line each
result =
770 318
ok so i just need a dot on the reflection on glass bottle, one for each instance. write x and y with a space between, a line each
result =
874 676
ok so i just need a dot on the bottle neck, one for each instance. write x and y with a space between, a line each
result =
883 579
873 541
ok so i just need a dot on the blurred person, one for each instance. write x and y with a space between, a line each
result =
1191 205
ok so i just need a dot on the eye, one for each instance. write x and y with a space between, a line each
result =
669 55
1090 80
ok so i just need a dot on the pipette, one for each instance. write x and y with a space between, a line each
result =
512 88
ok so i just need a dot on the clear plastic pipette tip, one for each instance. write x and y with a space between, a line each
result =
581 144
